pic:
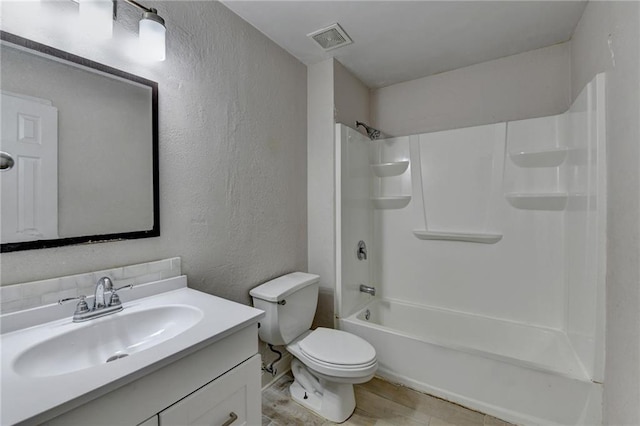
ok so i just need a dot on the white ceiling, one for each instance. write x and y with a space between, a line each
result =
397 41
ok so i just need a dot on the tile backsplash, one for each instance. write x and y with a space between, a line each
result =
37 293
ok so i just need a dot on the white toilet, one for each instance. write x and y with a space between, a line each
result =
327 362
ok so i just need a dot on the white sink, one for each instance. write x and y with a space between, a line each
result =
106 339
51 364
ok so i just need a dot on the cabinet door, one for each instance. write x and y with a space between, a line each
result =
233 399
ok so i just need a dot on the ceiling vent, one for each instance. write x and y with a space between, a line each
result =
331 37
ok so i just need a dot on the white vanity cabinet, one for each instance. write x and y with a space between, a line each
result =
218 384
227 401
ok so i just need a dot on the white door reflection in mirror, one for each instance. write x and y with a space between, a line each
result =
29 189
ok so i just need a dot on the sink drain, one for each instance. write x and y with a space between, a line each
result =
117 356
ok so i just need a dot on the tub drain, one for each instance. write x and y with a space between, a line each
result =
117 356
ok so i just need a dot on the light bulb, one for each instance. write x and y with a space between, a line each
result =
152 36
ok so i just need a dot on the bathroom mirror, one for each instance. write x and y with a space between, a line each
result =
80 141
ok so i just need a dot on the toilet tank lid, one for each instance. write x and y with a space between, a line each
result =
279 288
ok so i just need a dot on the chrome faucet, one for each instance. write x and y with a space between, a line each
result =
105 302
103 284
368 289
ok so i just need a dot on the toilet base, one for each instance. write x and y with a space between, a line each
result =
333 401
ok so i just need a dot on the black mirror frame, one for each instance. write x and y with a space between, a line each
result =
59 242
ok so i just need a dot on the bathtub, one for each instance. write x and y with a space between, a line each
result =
517 372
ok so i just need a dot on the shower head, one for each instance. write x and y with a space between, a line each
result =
371 132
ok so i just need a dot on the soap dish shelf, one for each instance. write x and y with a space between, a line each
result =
538 201
547 158
390 169
391 202
470 237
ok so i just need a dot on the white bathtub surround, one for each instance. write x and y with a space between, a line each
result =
37 293
494 268
469 178
354 217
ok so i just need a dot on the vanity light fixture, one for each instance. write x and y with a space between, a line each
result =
97 17
151 32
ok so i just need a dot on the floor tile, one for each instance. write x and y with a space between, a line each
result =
266 421
492 421
388 410
282 410
438 422
378 403
427 404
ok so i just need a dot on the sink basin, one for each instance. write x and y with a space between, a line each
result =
105 340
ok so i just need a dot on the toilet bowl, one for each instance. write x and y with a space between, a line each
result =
336 354
327 362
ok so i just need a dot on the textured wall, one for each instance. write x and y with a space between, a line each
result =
527 85
321 173
321 192
232 149
608 39
352 100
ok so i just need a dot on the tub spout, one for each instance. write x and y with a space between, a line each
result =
368 289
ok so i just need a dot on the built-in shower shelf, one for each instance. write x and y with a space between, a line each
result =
390 169
538 201
547 158
423 234
391 202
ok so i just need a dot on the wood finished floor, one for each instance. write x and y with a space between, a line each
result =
377 403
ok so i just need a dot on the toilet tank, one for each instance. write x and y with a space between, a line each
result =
289 303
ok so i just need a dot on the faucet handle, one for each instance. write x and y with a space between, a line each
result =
124 286
81 307
115 299
81 299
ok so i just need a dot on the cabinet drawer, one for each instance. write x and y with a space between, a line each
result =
232 399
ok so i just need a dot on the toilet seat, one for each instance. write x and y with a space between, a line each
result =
337 347
335 353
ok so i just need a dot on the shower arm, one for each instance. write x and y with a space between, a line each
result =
371 132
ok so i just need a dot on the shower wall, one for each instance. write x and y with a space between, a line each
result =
585 220
354 218
520 278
